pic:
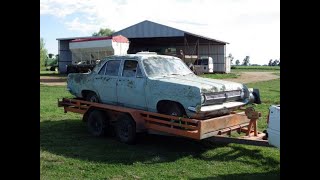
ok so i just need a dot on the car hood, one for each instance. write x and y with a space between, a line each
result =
206 85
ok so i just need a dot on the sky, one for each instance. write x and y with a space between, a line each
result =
252 27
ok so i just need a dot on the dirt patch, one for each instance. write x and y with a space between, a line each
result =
53 81
249 77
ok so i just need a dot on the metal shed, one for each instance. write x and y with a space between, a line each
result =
151 36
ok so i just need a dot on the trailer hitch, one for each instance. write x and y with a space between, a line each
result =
253 116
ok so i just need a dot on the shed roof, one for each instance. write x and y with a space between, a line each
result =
148 29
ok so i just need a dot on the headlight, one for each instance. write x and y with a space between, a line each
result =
242 94
203 98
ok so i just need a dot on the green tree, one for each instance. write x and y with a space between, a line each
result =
270 62
237 62
246 61
275 62
103 32
43 53
231 58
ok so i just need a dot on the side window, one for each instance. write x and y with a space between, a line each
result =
103 69
112 68
139 73
131 69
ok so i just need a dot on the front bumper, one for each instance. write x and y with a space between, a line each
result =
202 112
214 110
226 105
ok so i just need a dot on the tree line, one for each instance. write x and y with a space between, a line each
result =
246 61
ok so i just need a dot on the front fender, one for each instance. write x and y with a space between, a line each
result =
185 95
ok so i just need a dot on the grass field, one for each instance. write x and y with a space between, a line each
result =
258 67
67 151
240 69
52 74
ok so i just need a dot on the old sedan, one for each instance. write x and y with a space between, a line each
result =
158 83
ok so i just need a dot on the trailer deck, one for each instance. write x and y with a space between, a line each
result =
214 129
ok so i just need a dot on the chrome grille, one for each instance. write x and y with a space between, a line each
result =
221 97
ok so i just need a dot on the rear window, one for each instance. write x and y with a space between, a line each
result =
201 62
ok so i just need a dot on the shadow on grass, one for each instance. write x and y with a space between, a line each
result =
70 138
253 176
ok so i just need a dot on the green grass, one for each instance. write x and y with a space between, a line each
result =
277 73
270 95
240 69
52 73
257 67
67 151
220 76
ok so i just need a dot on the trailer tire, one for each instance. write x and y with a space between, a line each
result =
126 129
97 123
92 97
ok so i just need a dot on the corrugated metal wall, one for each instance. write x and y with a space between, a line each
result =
217 52
147 29
65 56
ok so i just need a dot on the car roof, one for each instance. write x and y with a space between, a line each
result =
136 56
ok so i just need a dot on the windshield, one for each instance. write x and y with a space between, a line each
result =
163 66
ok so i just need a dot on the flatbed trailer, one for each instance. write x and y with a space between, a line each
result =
126 122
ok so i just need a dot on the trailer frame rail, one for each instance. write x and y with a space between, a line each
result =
214 129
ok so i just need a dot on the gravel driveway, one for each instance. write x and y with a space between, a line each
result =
249 77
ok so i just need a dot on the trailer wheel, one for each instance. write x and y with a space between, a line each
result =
96 123
126 129
92 97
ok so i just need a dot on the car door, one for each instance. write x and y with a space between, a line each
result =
131 86
105 82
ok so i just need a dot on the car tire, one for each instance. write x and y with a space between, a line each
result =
97 123
125 129
92 97
172 109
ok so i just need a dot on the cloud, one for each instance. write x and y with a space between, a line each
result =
58 8
83 27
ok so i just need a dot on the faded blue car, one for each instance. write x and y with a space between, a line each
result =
158 83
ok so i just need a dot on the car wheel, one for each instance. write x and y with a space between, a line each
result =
97 123
92 97
126 129
172 109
